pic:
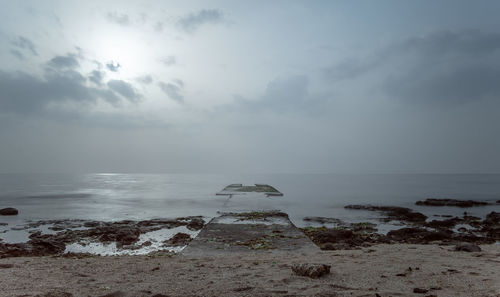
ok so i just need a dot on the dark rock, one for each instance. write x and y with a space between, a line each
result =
418 235
493 218
9 211
363 227
420 291
323 220
179 239
443 224
241 289
56 294
450 202
491 225
333 235
311 270
195 224
6 265
467 247
393 212
160 295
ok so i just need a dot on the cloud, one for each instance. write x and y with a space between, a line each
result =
158 27
17 54
24 93
124 88
69 61
120 19
169 61
192 22
97 77
25 44
60 83
285 95
145 79
442 68
173 90
113 66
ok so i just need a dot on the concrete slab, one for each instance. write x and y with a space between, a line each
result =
249 232
240 189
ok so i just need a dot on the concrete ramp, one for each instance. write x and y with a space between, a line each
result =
249 232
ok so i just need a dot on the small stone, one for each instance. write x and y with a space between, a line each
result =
9 211
420 291
467 247
311 270
5 265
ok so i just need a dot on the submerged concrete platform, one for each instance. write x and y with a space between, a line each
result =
240 189
249 232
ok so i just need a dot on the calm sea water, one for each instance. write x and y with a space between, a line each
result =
145 196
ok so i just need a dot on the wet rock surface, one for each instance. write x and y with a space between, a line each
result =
9 211
416 230
393 212
179 239
125 233
451 202
311 270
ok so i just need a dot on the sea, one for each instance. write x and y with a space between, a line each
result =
116 196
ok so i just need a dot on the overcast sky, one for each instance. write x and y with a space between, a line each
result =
250 86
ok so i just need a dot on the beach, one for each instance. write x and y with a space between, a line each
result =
380 270
241 247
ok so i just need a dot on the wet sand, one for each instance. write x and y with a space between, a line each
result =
386 270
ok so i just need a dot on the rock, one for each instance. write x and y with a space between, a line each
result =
6 265
195 224
467 247
493 218
56 294
323 220
450 202
443 224
311 270
393 212
418 235
333 235
9 211
179 239
420 291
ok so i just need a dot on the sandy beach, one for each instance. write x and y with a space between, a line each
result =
380 270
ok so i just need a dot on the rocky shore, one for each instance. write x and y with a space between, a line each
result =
261 254
125 234
417 229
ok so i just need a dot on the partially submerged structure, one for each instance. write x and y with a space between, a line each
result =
239 189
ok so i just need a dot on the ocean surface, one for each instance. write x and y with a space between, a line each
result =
111 197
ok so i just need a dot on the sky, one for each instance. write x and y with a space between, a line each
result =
250 86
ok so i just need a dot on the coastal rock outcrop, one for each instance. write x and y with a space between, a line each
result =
450 202
125 233
418 235
9 211
393 212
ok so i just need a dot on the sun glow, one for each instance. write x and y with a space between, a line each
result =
126 53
